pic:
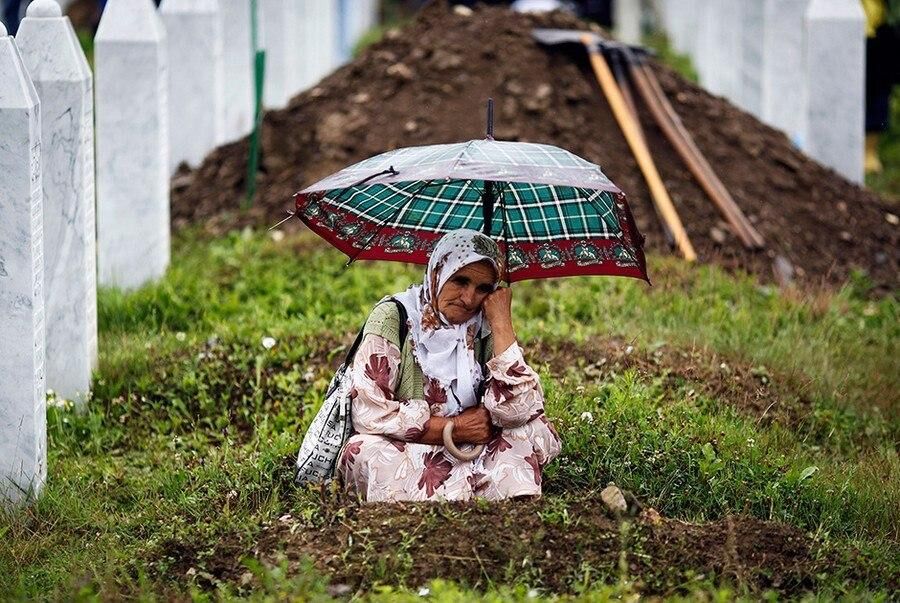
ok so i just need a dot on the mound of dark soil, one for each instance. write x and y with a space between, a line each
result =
755 391
428 82
533 541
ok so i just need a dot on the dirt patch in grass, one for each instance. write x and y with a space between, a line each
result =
756 391
427 84
224 387
228 390
521 541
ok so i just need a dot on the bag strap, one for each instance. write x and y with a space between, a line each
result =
404 331
404 328
482 360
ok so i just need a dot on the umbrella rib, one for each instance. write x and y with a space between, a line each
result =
384 223
601 212
505 229
337 197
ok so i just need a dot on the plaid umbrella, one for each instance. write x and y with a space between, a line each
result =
551 212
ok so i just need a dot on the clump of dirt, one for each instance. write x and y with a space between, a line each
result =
530 541
427 83
756 391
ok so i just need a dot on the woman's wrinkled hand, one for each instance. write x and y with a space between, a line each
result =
473 426
497 308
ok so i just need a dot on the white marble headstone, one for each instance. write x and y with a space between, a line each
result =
131 80
23 412
685 31
280 40
626 20
308 38
782 82
325 51
57 65
196 79
365 17
753 34
730 44
238 61
707 51
835 67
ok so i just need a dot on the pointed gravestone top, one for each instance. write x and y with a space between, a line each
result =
43 9
12 72
23 427
45 35
130 21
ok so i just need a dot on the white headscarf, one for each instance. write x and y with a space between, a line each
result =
445 351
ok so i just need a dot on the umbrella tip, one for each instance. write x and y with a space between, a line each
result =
490 119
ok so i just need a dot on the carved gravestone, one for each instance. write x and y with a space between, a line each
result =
196 79
626 20
835 67
23 423
278 19
131 80
238 62
62 78
782 84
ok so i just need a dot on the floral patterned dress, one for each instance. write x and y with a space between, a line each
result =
383 460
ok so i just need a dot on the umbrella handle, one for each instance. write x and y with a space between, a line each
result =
452 449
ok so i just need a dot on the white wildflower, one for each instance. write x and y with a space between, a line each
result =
180 336
268 342
424 591
277 235
587 416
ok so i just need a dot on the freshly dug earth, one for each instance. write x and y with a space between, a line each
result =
755 391
764 394
427 83
555 544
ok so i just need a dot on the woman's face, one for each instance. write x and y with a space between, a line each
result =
464 292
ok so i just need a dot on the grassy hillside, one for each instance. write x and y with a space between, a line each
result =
711 397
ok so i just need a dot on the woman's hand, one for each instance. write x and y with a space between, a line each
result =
497 308
473 426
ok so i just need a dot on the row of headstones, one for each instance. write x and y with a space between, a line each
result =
798 65
52 253
211 94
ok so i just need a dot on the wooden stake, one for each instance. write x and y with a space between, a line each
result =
641 153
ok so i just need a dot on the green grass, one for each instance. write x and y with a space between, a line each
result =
887 182
189 438
658 42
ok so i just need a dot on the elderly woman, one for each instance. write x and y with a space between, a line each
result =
460 363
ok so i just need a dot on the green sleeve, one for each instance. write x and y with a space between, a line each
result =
384 320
